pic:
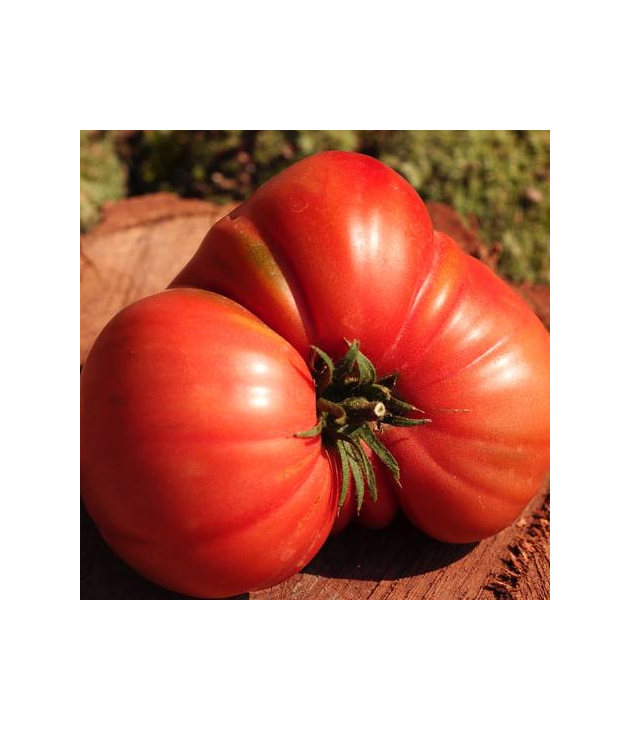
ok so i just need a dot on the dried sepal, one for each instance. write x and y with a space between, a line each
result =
368 472
402 421
345 472
323 375
352 404
356 471
380 450
315 431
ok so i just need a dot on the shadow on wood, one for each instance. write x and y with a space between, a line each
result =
399 551
359 554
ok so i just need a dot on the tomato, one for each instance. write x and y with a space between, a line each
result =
189 464
340 246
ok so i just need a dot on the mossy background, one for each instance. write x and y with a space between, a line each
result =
496 179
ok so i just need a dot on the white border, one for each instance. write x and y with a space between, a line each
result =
439 664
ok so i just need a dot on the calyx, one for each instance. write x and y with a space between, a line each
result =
353 406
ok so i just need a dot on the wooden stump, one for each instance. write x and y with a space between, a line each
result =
136 250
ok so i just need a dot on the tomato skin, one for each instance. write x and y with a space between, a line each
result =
477 360
323 242
190 468
340 246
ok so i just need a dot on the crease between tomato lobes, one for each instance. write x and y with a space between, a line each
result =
340 246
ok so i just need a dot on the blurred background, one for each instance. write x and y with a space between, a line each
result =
492 186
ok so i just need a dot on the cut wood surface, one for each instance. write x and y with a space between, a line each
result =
136 250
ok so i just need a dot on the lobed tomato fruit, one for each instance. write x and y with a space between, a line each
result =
206 442
340 246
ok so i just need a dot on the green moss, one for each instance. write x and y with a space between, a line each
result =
501 178
310 142
103 175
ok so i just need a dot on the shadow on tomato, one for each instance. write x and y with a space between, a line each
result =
104 576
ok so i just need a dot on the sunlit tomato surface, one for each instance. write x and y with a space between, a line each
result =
340 246
189 464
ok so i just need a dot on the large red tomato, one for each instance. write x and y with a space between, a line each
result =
190 466
340 246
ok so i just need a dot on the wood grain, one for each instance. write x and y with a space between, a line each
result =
136 250
403 563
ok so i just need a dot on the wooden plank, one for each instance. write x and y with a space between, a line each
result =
137 249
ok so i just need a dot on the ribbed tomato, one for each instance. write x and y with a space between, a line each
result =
190 466
340 246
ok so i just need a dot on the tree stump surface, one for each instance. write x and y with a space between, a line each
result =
137 248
